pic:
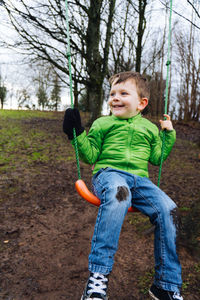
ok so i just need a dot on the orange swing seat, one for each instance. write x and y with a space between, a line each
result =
91 198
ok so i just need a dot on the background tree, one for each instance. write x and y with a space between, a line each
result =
42 96
43 81
23 99
3 92
127 41
189 73
156 68
97 60
55 93
157 95
140 32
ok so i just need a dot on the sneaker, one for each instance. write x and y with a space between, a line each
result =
96 287
159 294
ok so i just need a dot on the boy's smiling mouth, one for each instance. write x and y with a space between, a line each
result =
117 105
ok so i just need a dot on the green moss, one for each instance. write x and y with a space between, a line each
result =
136 219
140 222
197 267
145 281
185 286
184 208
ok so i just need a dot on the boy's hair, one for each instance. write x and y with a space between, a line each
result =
140 81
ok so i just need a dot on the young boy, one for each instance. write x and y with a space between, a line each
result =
120 146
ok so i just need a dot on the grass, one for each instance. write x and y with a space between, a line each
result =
145 281
136 219
197 267
192 280
26 114
184 209
140 222
22 145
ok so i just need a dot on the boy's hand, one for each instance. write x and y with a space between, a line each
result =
72 120
166 124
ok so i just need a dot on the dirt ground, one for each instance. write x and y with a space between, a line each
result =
46 228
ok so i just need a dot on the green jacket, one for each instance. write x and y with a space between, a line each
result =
126 145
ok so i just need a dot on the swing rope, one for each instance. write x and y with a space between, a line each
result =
71 90
166 91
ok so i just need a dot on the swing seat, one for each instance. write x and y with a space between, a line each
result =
88 196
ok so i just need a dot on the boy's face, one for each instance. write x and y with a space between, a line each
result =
124 101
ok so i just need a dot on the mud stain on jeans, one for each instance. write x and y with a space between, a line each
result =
177 222
122 193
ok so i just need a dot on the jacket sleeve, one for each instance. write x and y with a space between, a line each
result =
89 146
156 146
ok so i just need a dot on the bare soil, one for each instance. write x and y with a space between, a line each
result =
46 228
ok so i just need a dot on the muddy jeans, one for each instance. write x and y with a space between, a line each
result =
118 190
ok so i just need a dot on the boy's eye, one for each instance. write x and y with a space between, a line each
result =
112 94
124 93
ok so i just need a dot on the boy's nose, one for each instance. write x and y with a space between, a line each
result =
116 98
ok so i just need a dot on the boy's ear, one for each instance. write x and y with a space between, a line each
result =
143 103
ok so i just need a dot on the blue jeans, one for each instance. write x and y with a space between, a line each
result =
118 190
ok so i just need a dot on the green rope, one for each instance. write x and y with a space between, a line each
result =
166 91
71 90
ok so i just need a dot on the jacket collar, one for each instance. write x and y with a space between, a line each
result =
136 117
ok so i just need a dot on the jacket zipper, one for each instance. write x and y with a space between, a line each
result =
128 150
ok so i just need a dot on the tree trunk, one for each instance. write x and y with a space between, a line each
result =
95 94
94 60
75 94
97 66
140 33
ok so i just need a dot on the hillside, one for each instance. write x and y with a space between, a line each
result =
46 228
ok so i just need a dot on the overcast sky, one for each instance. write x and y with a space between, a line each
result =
17 76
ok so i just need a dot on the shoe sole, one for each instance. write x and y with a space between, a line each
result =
152 296
82 298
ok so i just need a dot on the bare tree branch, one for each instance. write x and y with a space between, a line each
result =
196 11
174 11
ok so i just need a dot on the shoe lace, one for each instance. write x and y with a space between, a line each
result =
97 284
177 296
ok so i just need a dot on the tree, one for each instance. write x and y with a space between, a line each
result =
42 96
3 92
157 97
43 83
23 99
42 30
122 41
55 94
97 62
127 41
106 37
189 88
155 67
140 32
